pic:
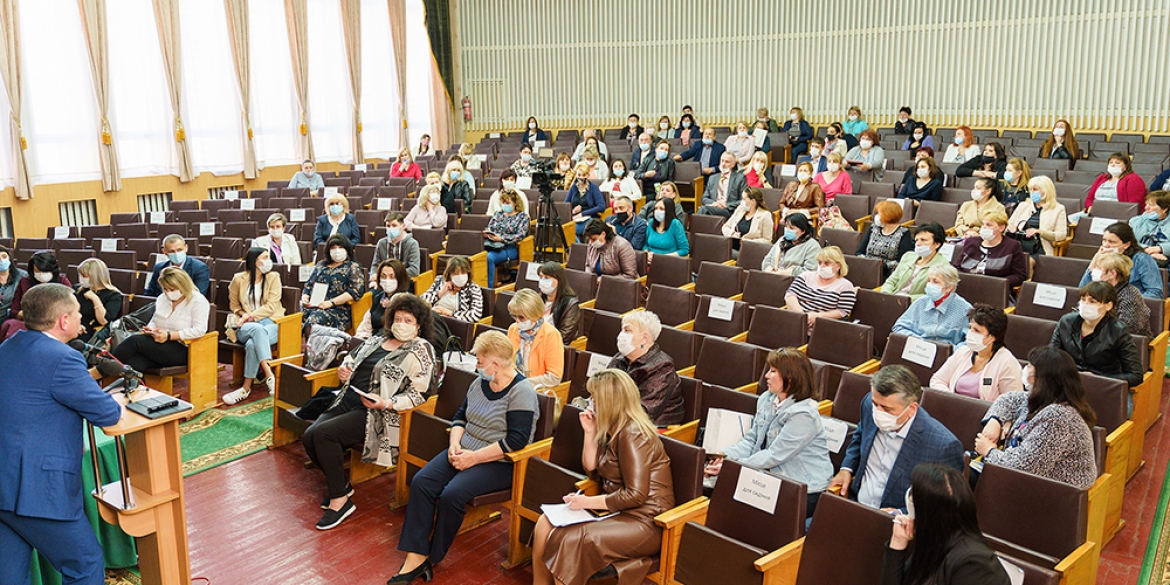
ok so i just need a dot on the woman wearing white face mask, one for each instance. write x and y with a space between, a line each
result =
991 254
467 153
281 245
533 133
428 213
560 300
758 174
337 220
397 367
799 132
1096 339
665 130
524 166
651 369
391 280
344 282
985 198
835 180
939 314
42 268
923 183
824 293
406 167
1061 144
1117 183
1047 429
982 367
803 195
101 301
540 353
867 155
456 295
598 170
854 123
1131 308
909 277
1119 238
180 313
741 144
1040 216
609 254
919 138
255 299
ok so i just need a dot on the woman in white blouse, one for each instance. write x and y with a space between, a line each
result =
427 213
621 183
281 245
963 148
179 314
741 144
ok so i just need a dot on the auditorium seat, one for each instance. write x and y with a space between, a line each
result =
893 354
772 328
709 248
734 365
837 525
673 306
719 280
666 270
1060 270
980 288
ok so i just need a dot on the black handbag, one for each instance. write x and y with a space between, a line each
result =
1031 245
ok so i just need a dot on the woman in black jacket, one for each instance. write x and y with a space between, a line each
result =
991 165
950 549
560 300
1097 339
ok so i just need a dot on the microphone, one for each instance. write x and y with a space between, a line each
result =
105 362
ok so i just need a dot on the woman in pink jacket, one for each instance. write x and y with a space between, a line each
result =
1118 183
981 368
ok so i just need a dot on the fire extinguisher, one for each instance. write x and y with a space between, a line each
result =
466 109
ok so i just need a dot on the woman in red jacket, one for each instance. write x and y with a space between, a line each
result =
406 167
1118 183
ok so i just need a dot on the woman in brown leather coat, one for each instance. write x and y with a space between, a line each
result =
623 453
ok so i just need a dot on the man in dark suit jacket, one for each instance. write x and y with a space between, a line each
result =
41 504
175 249
877 465
713 204
706 152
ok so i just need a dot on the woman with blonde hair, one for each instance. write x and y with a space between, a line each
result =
855 122
1016 175
741 144
963 148
1061 143
179 314
467 153
803 195
1039 218
428 213
584 198
591 158
565 167
101 302
621 447
758 175
834 180
405 166
665 130
540 353
456 194
337 220
823 293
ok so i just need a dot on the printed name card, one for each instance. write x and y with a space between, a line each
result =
481 157
918 351
304 271
296 215
533 273
721 309
948 251
158 217
1015 573
835 431
1099 224
247 204
384 203
361 168
109 244
494 135
206 228
330 191
597 362
540 143
60 232
231 195
788 171
757 489
523 182
1048 295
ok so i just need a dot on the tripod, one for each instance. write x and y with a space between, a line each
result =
550 235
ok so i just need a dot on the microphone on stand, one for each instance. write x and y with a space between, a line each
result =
104 361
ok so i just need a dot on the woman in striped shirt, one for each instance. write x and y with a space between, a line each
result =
825 293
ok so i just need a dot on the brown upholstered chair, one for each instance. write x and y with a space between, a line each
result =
751 254
583 283
847 400
879 310
838 456
962 415
896 345
706 224
1027 307
847 240
709 248
673 306
672 271
864 272
980 288
1025 333
838 525
1109 399
468 244
706 324
681 345
765 288
719 280
726 363
839 346
602 334
773 328
940 212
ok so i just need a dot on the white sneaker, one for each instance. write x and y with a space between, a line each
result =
236 396
271 382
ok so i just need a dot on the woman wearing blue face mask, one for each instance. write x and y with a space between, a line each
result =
307 178
1015 183
1039 217
1152 228
10 275
796 250
336 220
909 277
585 199
504 231
457 193
940 314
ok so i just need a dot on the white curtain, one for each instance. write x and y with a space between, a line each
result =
7 161
275 115
419 65
60 110
330 104
140 104
215 129
380 121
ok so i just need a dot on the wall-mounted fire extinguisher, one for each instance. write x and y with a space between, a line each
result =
466 109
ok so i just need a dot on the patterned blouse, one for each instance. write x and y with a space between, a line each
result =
885 247
1132 310
510 228
347 277
1056 444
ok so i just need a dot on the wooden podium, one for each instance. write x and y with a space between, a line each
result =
151 479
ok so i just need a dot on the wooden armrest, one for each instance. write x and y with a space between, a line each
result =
589 487
687 372
868 367
686 432
1079 565
296 360
834 489
749 388
287 319
210 335
742 337
486 320
738 297
579 343
803 348
688 326
561 391
684 513
511 286
536 449
587 304
825 407
789 553
688 286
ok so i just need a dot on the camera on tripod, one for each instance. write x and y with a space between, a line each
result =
550 242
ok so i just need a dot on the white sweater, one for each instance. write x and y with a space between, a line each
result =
189 317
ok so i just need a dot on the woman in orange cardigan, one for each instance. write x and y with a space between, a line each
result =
540 353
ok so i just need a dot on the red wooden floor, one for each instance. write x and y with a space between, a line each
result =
251 521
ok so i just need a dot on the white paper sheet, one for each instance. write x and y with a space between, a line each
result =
1048 295
560 515
109 244
757 489
597 362
206 228
835 431
721 309
230 195
918 351
297 215
60 232
724 429
247 204
320 289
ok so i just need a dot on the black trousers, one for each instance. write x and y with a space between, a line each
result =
338 429
142 353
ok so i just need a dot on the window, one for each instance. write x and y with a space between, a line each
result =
380 121
5 222
275 120
330 105
217 192
148 202
78 213
419 67
211 95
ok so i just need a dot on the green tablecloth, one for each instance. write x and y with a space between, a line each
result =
117 545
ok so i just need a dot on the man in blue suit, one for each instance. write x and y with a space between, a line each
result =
176 250
892 438
46 391
706 152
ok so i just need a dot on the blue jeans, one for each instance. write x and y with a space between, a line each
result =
496 257
257 338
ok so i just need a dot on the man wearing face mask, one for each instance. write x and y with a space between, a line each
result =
632 130
707 152
307 178
893 436
397 244
643 151
815 156
723 192
175 249
627 224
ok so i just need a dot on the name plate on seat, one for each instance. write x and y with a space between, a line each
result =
296 215
1099 224
330 191
721 309
247 204
229 195
948 251
918 351
757 489
384 203
597 362
1048 295
158 217
207 229
835 431
109 244
361 168
533 273
60 232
